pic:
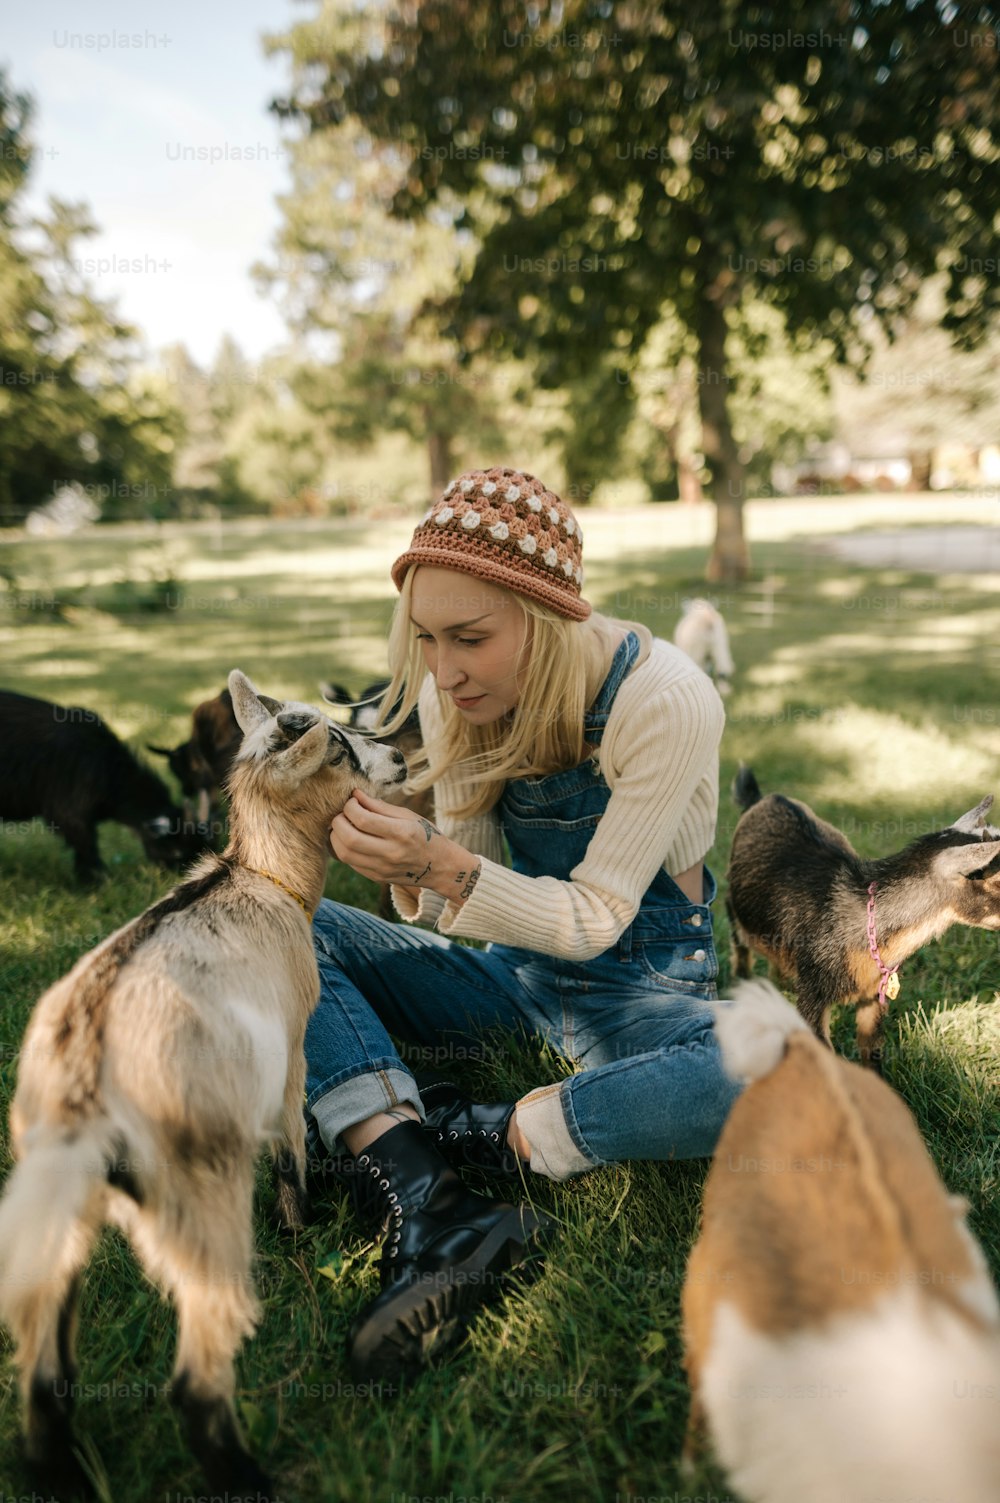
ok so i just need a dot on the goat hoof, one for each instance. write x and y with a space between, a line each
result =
247 1481
62 1478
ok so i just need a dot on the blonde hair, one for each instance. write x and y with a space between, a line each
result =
542 734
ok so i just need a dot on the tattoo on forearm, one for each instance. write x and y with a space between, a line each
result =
418 876
469 883
428 828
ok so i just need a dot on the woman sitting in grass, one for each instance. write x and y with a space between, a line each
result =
591 747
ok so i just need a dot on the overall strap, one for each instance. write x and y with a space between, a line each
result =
596 718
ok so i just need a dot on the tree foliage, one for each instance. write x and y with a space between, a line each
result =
72 406
365 292
613 158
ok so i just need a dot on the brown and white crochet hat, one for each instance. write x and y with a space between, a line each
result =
504 526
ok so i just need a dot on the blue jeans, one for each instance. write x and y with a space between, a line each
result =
634 1023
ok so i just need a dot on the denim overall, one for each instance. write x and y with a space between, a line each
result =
633 1022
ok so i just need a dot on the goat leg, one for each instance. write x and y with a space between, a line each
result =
870 1035
814 1004
52 1461
81 838
695 1438
289 1184
290 1150
43 1322
742 961
214 1437
210 1281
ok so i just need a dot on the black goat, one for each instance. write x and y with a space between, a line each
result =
367 705
65 766
840 926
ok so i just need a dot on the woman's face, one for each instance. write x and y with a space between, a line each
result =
473 637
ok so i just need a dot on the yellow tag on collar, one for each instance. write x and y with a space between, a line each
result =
892 987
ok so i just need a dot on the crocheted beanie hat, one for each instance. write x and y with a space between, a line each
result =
506 527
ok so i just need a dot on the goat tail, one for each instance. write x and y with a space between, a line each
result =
746 789
44 1206
753 1029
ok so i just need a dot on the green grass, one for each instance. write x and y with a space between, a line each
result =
871 694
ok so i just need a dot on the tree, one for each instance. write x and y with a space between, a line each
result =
72 408
213 436
615 157
368 291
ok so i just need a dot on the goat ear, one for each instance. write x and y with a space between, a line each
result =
335 694
306 755
961 860
248 706
976 818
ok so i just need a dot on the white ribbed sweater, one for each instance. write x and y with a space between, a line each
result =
660 759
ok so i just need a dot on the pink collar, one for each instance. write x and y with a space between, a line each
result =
888 981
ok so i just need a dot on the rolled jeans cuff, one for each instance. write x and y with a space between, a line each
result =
555 1150
361 1097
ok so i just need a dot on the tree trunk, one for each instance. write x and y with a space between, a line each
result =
688 483
439 454
921 464
729 561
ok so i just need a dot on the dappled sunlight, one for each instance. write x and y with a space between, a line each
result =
842 588
981 622
894 594
298 603
961 1036
766 675
883 756
934 637
61 668
349 566
807 516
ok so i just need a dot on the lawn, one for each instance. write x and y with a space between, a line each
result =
870 693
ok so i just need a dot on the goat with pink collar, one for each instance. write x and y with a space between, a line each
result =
842 1335
839 926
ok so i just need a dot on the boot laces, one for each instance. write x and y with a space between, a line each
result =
393 1209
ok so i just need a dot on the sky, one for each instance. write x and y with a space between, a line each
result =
154 113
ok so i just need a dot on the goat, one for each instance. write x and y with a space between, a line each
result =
201 763
65 765
834 1271
366 708
701 633
407 739
841 926
153 1072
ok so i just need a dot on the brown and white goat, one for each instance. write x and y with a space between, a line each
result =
151 1076
201 763
841 1332
800 895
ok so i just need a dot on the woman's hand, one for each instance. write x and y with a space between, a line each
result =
389 844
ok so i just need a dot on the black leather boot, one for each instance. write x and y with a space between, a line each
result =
445 1254
468 1133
